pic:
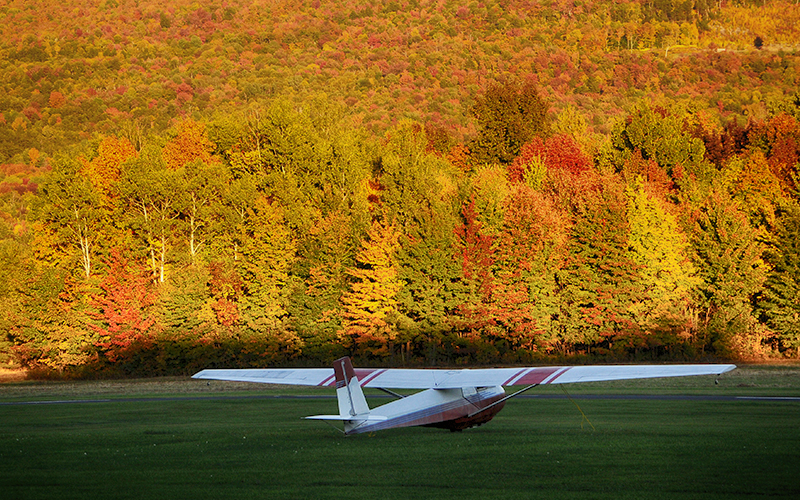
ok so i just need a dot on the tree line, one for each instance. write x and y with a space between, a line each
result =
289 234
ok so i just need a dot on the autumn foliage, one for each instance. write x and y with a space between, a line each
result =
415 182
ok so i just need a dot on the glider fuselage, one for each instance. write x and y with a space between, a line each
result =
454 409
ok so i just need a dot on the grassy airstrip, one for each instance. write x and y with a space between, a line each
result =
179 439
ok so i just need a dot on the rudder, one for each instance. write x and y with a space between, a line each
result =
348 391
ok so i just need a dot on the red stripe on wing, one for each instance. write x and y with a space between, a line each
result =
512 379
327 381
365 375
543 375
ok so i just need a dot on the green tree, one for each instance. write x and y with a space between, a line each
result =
599 285
749 180
658 134
432 285
508 116
781 303
324 257
728 252
69 206
184 300
49 327
490 189
151 200
201 207
420 192
309 158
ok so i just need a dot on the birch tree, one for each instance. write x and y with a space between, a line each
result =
69 206
151 194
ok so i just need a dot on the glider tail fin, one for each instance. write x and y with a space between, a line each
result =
348 391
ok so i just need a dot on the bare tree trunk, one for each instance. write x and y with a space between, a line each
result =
150 242
194 247
163 256
84 244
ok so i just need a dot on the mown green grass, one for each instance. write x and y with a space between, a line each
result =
251 447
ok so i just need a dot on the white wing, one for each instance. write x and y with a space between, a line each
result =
398 378
451 379
626 372
290 376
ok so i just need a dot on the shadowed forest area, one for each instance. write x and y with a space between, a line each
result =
410 183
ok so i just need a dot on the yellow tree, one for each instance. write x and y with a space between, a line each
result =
371 301
754 185
662 250
103 174
267 256
103 171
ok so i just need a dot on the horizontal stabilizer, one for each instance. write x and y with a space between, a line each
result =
288 376
347 418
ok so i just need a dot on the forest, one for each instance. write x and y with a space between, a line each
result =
414 183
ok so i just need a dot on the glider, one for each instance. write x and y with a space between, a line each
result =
450 399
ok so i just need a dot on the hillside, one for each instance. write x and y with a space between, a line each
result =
72 70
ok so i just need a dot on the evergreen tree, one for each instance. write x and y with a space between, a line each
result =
508 116
728 252
781 304
183 301
599 286
419 190
324 257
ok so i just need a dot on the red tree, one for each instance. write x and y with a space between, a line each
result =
122 310
559 152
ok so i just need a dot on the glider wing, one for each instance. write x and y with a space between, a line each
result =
487 377
400 378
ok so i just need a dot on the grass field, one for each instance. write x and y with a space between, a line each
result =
180 439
